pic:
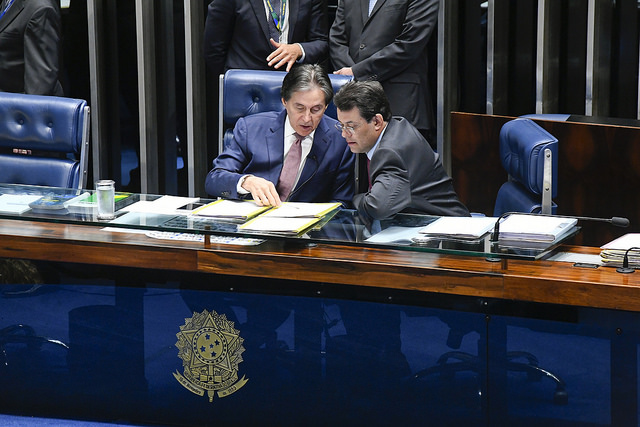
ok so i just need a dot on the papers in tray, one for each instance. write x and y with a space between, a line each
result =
466 228
238 210
613 252
280 225
291 218
535 228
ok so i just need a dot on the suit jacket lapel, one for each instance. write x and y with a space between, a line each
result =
275 148
316 155
377 6
364 10
261 16
11 14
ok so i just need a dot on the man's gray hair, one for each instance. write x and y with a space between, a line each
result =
306 77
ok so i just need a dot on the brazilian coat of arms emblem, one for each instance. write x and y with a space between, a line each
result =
211 349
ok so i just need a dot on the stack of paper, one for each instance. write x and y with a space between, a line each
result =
237 210
612 253
291 218
535 228
467 228
17 203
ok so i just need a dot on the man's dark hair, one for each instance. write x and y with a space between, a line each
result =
367 96
306 77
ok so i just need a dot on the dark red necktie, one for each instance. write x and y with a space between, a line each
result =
290 169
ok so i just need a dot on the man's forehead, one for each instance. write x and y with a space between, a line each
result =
354 112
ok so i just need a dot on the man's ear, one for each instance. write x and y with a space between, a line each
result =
283 102
378 120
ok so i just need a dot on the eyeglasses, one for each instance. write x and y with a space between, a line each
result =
348 129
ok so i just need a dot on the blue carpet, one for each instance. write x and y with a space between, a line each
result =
16 421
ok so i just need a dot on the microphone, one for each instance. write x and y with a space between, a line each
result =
625 269
615 221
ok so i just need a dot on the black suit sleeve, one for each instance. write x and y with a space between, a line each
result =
218 31
316 39
339 40
41 53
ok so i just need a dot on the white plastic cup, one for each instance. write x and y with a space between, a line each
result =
106 193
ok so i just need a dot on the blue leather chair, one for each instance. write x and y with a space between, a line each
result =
246 92
44 140
529 154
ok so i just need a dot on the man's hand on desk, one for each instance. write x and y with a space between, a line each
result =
284 54
263 192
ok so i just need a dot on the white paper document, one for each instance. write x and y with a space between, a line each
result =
17 203
613 253
535 228
460 227
280 225
231 209
625 242
302 209
163 205
396 235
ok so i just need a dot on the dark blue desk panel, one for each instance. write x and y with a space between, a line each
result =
123 361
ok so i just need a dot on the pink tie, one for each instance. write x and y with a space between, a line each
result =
290 169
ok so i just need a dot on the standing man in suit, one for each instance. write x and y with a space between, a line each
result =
30 47
406 175
264 34
386 40
262 143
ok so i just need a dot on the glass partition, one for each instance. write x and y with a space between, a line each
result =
180 218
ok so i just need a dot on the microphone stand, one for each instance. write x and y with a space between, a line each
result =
625 269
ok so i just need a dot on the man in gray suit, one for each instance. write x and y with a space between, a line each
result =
386 40
30 47
405 174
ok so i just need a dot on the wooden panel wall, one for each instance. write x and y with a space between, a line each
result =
599 170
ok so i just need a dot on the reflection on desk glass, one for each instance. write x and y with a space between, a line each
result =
149 212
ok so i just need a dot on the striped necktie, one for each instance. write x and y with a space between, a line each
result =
273 31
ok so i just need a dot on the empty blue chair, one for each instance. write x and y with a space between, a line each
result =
44 140
529 154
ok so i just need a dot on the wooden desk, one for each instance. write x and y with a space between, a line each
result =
392 275
536 281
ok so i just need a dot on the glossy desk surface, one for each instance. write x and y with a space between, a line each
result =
341 226
324 259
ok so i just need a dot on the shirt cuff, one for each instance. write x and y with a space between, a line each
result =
239 188
303 55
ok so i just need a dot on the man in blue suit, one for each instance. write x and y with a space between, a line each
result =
250 167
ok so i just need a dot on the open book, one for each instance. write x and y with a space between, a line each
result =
291 218
237 210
